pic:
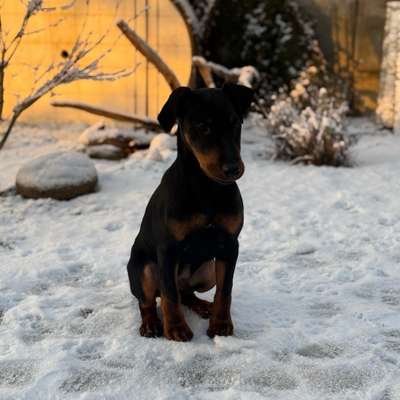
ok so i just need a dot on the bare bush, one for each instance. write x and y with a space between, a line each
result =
307 123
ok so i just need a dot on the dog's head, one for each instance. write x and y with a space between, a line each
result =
210 123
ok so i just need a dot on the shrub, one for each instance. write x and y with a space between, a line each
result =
307 123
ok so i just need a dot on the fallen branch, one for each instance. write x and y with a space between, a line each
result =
245 76
146 122
150 54
204 70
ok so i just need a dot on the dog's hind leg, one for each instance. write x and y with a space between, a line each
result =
201 280
143 280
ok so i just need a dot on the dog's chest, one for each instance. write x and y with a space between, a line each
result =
199 245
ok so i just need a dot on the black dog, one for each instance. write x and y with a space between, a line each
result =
188 239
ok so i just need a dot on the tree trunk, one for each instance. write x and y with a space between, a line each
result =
10 126
1 90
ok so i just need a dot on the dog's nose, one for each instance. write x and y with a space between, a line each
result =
231 170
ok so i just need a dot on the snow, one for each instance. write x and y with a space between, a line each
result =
316 291
102 132
161 147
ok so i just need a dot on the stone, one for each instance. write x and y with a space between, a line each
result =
105 152
60 175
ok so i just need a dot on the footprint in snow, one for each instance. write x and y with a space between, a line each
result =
16 372
391 297
274 378
120 363
90 351
6 245
315 350
324 310
71 274
66 253
339 378
85 380
35 329
200 371
113 226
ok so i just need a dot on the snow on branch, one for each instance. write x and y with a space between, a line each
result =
307 125
246 76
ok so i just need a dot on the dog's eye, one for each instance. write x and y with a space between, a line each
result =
203 128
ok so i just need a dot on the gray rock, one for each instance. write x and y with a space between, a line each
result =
61 175
106 152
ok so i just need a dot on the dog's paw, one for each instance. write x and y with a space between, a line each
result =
178 332
220 328
151 328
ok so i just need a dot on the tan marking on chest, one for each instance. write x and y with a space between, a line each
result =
231 223
181 228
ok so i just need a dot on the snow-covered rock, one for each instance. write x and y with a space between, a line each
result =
161 147
106 152
61 175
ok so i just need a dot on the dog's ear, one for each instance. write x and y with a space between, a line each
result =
240 96
173 108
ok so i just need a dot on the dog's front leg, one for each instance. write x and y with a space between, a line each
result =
220 321
174 324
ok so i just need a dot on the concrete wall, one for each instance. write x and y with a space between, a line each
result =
351 36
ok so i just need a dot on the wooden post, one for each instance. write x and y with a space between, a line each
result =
388 110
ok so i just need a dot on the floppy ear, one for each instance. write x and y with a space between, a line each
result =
240 96
173 108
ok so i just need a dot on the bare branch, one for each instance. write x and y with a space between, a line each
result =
204 70
33 7
76 66
115 115
245 76
63 7
150 54
53 25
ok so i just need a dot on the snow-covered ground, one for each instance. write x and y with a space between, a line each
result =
316 301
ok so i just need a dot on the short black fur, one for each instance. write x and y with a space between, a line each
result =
188 239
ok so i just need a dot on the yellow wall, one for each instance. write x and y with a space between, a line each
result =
166 32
